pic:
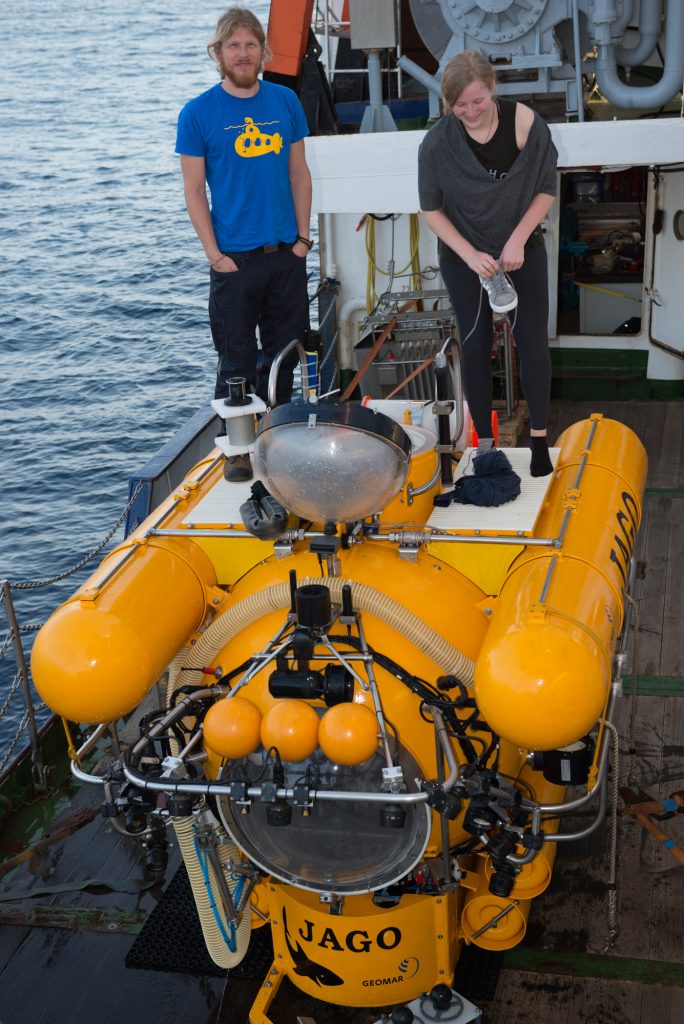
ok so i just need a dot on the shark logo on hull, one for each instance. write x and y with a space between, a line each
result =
306 968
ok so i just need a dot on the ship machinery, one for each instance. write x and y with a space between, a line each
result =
364 713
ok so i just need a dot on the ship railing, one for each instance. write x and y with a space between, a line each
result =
328 26
20 683
22 677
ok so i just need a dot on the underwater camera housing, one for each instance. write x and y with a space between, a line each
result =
331 463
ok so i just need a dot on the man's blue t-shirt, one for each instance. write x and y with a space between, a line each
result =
246 144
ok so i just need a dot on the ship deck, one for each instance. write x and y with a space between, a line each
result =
62 955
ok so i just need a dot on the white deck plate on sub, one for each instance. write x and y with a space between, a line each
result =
221 505
515 517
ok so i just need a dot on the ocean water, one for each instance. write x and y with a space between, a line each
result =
104 340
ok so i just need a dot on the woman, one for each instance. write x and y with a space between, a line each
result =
486 180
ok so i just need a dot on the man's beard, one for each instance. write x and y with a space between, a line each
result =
243 77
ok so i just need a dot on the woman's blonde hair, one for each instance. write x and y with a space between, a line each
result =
230 20
461 71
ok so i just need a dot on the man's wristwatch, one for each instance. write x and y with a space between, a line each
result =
308 242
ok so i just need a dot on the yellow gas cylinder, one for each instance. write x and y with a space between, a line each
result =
101 651
543 674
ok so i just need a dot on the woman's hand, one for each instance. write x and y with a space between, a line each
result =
482 263
513 255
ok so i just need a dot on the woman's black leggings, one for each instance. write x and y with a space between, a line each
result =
529 321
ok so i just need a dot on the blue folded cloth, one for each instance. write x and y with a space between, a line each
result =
494 483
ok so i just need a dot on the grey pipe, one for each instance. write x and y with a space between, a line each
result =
577 46
431 83
377 117
622 23
604 17
573 837
634 98
650 24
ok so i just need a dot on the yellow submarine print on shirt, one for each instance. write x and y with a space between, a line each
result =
253 142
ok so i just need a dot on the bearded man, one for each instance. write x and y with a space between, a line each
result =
243 139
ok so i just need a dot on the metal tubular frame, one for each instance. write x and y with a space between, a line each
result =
38 766
275 370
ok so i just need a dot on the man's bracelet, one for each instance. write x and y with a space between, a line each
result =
221 257
308 242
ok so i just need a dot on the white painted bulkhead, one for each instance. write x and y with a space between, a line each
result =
377 173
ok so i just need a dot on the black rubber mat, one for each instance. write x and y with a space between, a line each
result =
477 973
171 939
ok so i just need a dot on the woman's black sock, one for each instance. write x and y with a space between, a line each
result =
541 463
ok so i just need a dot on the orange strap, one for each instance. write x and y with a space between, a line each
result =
670 845
423 366
349 390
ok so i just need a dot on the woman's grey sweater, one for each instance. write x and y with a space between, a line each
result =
485 210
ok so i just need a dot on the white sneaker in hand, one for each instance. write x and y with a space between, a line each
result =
502 295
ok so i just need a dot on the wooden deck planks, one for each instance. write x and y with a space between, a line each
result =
667 926
661 1005
672 656
652 550
535 998
653 441
635 887
660 592
571 915
670 471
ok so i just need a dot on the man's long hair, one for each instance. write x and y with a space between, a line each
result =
230 20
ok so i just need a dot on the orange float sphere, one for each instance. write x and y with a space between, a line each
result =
348 733
232 727
292 727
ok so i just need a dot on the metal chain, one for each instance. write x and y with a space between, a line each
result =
6 644
330 351
612 899
91 554
633 702
14 686
22 726
328 312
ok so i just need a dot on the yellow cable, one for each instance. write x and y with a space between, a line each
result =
417 279
71 749
606 291
371 293
373 268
